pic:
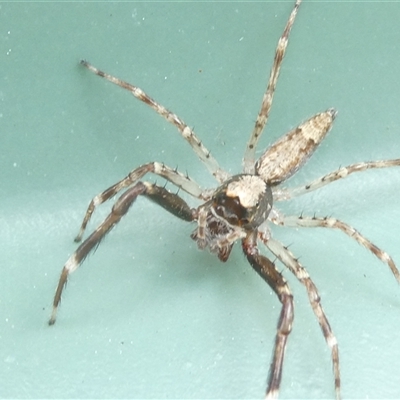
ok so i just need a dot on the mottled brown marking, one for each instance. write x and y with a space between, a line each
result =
282 159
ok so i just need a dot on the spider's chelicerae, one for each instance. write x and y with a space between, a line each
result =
241 207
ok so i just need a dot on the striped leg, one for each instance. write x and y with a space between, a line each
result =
267 270
288 193
328 222
287 258
249 155
178 179
169 201
186 132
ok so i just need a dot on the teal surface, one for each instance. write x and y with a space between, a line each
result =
148 315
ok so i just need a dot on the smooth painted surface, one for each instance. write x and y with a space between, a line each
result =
149 316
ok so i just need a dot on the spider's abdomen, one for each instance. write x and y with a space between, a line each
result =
290 152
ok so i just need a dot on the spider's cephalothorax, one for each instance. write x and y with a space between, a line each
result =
241 207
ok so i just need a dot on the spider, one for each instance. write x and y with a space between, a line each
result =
241 207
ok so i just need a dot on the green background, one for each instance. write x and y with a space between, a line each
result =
148 315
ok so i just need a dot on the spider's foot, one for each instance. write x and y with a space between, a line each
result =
52 319
78 237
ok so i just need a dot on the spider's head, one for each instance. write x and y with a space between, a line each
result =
243 200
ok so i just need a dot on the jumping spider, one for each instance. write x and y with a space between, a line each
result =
241 207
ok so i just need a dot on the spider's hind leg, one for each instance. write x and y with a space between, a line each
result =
186 132
281 194
169 201
249 155
333 223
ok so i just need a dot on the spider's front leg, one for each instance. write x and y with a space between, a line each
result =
267 270
172 175
169 201
287 258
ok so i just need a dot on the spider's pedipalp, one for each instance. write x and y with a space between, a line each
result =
172 175
187 133
287 258
281 194
329 222
249 155
284 157
169 201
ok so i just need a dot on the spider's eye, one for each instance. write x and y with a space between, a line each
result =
230 209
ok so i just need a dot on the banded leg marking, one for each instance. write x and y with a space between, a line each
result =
329 222
249 155
267 270
173 176
169 201
281 194
187 133
287 258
